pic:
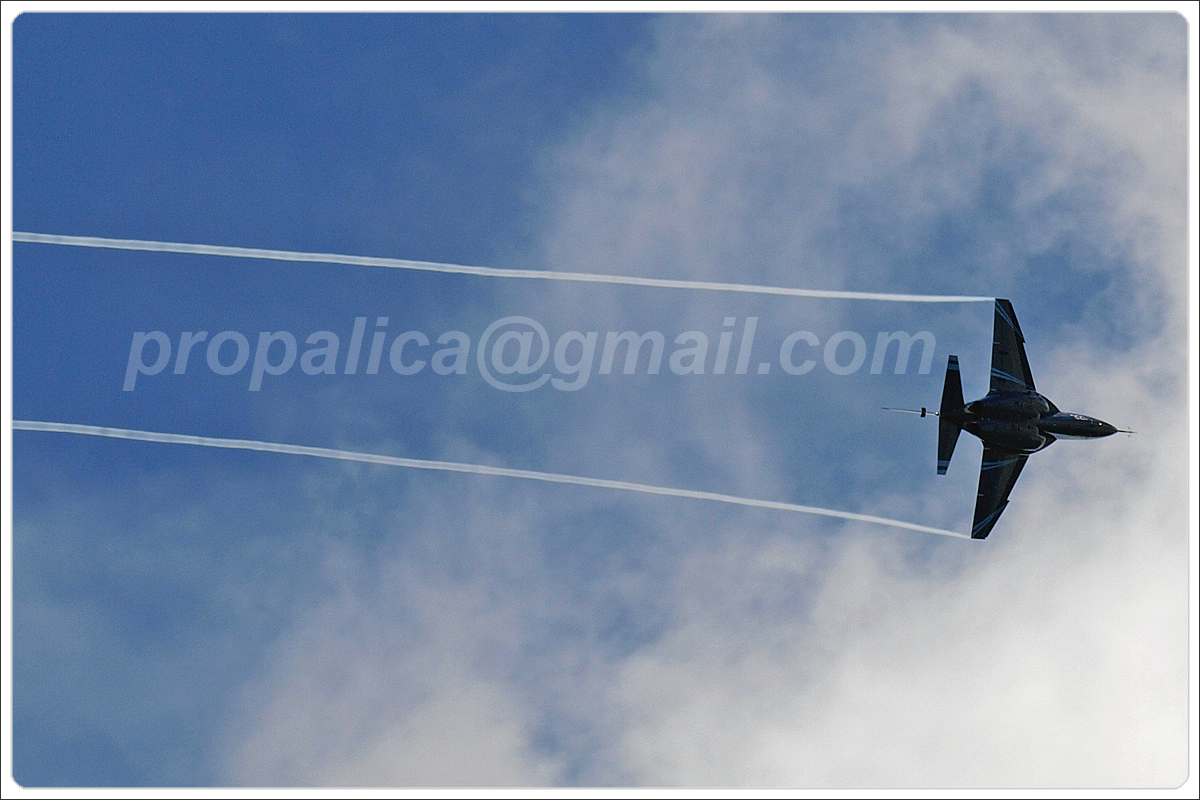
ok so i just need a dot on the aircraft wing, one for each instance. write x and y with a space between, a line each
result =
1010 367
997 475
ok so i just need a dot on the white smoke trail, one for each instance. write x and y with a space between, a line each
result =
446 466
397 263
451 466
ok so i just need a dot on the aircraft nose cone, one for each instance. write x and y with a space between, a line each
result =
1104 429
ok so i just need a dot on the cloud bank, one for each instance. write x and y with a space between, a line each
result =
983 154
454 630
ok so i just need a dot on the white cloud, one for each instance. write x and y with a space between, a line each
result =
1054 654
397 674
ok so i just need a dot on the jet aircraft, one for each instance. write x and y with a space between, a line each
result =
1013 420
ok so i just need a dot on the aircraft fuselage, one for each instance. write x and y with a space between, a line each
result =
1013 420
1024 422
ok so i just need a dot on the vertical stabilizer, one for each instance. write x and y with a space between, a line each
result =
952 405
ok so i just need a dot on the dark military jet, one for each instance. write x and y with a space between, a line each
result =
1013 420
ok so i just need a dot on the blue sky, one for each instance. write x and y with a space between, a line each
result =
185 616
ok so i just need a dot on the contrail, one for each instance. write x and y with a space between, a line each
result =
491 272
451 466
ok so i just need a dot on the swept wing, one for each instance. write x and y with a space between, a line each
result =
998 474
1010 367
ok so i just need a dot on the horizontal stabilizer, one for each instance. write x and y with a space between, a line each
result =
952 402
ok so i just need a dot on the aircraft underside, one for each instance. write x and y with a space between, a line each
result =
1009 437
1013 420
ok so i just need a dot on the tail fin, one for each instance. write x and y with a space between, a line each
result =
952 402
